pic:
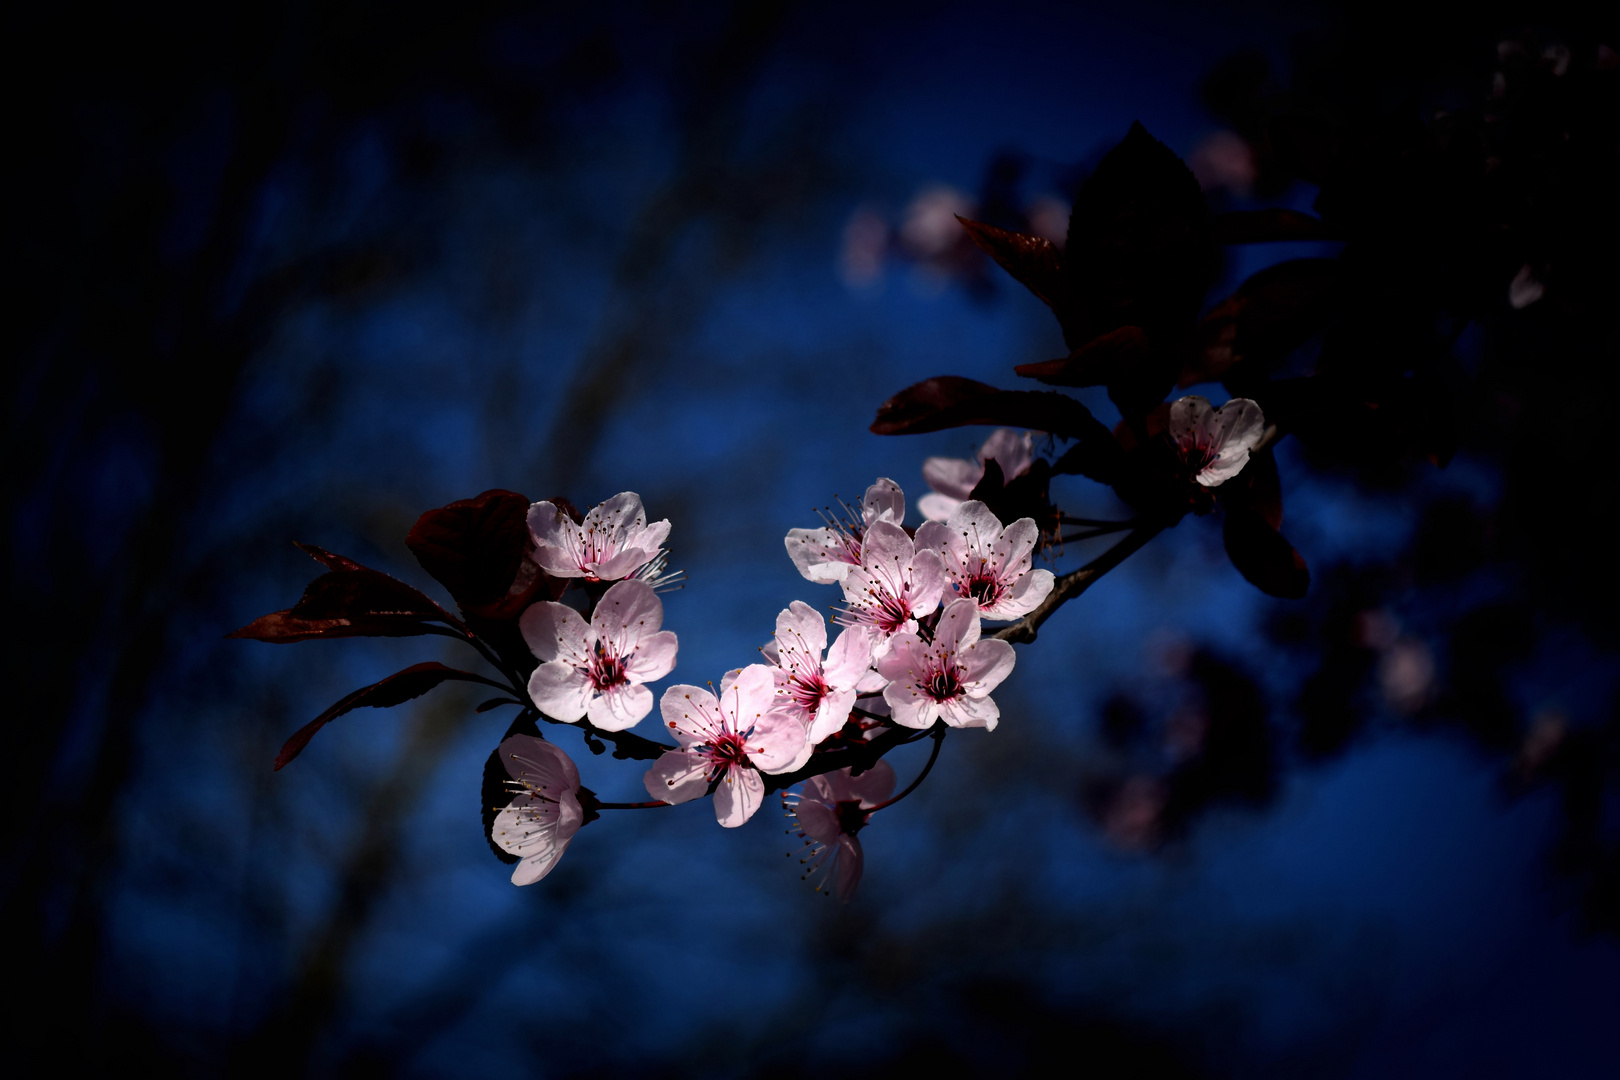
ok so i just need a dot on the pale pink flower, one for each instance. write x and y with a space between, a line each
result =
537 825
1215 443
986 563
597 668
953 479
826 555
819 692
727 742
830 810
613 542
949 678
893 586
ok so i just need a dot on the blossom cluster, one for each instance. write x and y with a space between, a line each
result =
909 652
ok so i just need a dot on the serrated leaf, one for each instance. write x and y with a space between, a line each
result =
1096 363
1139 252
1262 555
284 628
949 401
397 689
474 547
1033 261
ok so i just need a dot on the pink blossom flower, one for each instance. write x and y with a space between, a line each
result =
953 479
989 564
826 555
727 742
893 586
830 810
950 677
819 692
613 542
597 668
1215 443
537 825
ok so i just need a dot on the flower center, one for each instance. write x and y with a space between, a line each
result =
851 818
983 587
607 670
727 752
944 685
807 690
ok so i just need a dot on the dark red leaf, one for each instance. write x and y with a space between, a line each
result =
361 594
1261 555
1139 252
950 401
1033 261
474 547
284 628
326 558
1096 363
1268 226
397 689
1273 313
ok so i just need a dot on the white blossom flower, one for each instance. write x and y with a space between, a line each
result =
953 479
827 554
820 692
537 825
727 742
893 586
949 678
613 542
1215 443
597 668
986 563
829 810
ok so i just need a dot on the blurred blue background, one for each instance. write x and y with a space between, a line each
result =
301 273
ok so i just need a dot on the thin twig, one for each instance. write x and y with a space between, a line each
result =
933 755
1073 584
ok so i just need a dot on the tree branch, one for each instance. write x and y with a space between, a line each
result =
1073 584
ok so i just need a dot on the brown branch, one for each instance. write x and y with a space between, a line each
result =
1073 584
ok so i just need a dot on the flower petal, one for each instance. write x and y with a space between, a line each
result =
985 664
740 793
937 507
620 707
1188 420
653 659
627 612
691 714
678 776
953 477
817 819
884 501
560 690
849 859
801 635
556 631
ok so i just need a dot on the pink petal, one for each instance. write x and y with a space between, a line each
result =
1016 545
677 777
959 624
801 629
691 714
527 827
620 707
560 690
870 788
816 819
626 613
850 860
1034 587
909 707
653 659
884 500
740 793
953 477
985 664
966 712
539 765
778 742
818 554
937 507
928 582
977 527
849 658
556 631
1188 417
1238 424
1014 452
831 714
